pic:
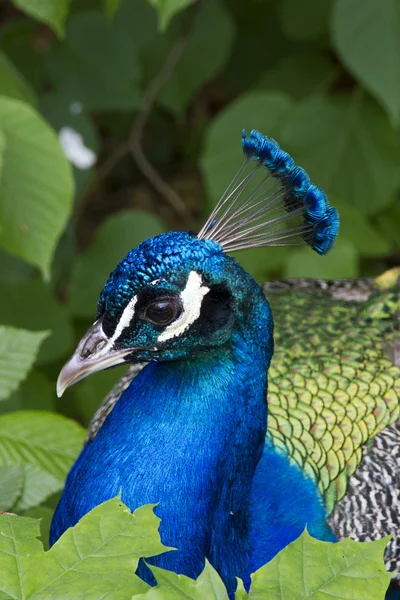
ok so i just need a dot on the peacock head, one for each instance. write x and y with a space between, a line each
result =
179 294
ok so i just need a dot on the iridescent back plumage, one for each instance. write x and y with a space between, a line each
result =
332 379
334 398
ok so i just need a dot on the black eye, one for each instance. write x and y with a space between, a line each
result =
162 312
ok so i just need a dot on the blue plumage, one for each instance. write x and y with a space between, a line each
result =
189 432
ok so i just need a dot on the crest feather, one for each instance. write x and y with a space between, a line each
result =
271 202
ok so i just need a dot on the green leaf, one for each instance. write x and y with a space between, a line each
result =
119 234
341 262
306 20
222 155
240 593
208 586
299 74
18 547
310 568
45 444
99 556
31 305
12 269
167 9
111 6
137 20
35 204
12 83
357 229
263 263
19 40
95 559
389 223
45 515
348 149
18 350
97 65
11 484
38 486
366 36
259 35
205 55
35 393
51 12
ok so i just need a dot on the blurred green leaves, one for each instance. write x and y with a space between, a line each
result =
111 6
206 51
113 240
300 74
11 484
306 20
96 66
36 185
222 152
18 349
44 445
205 55
166 9
348 148
366 36
51 12
12 83
342 261
36 392
31 305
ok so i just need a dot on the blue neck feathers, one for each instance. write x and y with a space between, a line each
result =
189 435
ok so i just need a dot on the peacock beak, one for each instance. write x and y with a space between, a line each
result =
94 353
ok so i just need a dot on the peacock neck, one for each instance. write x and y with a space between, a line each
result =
207 418
188 435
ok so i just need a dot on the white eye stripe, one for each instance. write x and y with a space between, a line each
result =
192 299
125 319
124 322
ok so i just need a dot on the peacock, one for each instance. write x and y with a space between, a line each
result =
243 434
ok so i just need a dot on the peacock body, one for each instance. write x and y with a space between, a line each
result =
189 428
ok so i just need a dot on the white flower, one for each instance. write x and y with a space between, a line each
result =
75 149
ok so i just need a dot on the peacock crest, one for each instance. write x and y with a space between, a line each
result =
271 202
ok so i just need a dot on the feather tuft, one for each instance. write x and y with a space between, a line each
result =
283 208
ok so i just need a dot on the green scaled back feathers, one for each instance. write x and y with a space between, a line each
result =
333 383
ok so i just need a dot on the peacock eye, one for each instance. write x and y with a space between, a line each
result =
162 312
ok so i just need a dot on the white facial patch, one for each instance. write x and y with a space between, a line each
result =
125 319
124 322
192 299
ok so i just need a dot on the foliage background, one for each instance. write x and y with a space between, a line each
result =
148 98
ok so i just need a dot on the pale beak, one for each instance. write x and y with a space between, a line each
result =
94 353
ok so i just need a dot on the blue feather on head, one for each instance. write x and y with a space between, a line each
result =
284 194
